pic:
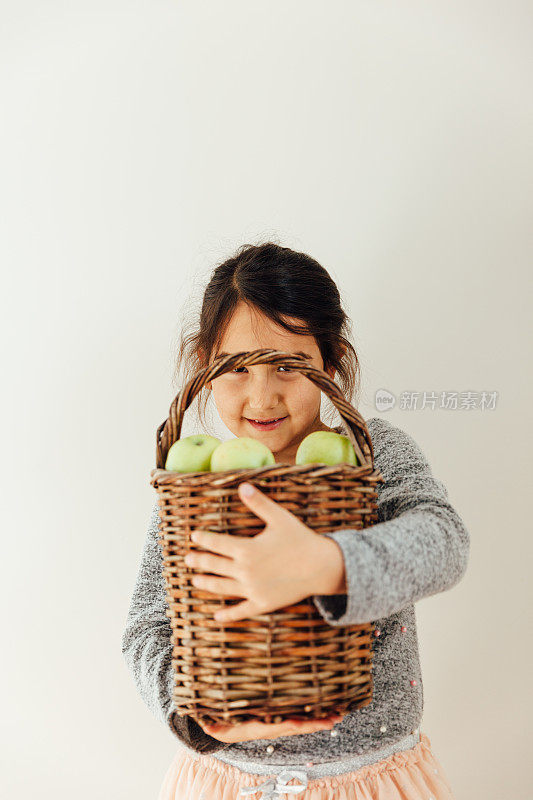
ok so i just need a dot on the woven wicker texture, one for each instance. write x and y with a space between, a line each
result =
290 662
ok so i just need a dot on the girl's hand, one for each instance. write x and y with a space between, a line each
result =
285 563
261 730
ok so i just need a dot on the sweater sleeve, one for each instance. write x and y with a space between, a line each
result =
419 546
147 646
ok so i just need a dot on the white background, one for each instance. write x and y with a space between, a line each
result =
141 143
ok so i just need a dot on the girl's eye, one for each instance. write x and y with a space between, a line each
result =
287 369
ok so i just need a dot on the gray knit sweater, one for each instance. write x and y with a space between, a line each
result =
418 547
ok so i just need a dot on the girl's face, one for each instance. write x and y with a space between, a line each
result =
266 391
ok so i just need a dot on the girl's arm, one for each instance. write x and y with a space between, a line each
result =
147 648
419 546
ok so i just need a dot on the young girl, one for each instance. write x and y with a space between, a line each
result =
269 296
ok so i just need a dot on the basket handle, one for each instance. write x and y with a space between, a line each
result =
169 430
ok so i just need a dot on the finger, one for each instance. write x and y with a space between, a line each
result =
315 724
325 721
234 613
218 565
331 719
297 729
264 507
212 728
224 586
229 733
222 543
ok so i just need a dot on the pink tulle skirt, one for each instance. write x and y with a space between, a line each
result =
413 774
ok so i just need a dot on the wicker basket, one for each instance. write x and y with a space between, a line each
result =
290 662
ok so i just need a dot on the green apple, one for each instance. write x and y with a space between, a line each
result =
326 447
191 454
243 452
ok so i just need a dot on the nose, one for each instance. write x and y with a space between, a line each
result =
262 393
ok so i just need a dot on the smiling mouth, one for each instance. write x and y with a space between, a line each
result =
273 419
265 422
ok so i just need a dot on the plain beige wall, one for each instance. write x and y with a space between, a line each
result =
142 142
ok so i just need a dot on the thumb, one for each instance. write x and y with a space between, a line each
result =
265 508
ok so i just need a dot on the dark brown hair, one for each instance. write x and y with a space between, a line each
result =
279 282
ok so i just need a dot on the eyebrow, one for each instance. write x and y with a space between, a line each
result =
297 353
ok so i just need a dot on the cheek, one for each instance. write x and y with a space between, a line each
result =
227 399
304 398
